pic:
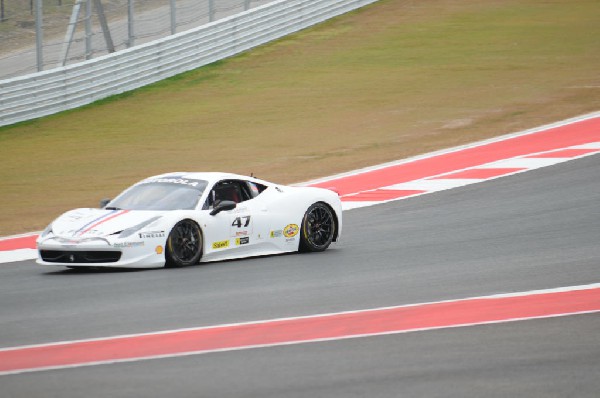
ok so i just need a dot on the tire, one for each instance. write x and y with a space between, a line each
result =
184 245
318 228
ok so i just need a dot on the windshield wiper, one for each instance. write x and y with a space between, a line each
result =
112 208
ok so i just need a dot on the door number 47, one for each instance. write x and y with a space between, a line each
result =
238 222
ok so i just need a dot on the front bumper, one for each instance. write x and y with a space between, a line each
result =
101 252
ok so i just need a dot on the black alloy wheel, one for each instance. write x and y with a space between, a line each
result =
318 228
184 245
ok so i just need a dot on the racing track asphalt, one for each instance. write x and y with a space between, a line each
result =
528 231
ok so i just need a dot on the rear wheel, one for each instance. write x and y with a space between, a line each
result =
318 228
184 245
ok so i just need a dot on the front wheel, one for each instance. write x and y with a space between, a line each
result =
318 228
184 245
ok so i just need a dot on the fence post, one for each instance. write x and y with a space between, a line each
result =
211 10
62 61
130 41
104 26
39 35
88 29
173 17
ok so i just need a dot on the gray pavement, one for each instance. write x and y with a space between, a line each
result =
529 231
541 358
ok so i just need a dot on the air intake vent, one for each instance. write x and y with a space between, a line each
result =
80 257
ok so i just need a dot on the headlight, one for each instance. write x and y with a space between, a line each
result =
130 231
47 231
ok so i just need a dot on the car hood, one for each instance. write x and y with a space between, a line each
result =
89 223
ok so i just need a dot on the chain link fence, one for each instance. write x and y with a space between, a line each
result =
40 35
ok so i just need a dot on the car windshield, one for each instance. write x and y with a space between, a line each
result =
171 193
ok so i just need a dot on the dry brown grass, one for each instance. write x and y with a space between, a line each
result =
393 80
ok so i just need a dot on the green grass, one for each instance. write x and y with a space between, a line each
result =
389 81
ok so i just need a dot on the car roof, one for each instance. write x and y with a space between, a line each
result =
210 177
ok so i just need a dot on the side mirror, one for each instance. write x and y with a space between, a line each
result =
104 202
223 205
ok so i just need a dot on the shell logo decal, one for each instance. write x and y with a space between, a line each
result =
291 230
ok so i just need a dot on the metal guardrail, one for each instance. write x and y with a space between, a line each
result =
45 93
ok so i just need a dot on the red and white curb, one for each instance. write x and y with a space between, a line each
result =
18 248
301 330
456 167
481 161
461 178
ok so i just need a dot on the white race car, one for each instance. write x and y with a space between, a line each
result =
180 219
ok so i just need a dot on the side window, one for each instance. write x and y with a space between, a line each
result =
235 190
255 189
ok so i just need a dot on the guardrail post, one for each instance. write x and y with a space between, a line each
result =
247 5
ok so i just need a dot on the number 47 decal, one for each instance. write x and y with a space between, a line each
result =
238 222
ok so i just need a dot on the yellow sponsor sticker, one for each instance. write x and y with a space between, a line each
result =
220 245
291 230
159 249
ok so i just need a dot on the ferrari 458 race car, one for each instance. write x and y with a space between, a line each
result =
180 219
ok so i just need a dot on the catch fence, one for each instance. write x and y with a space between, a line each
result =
66 87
